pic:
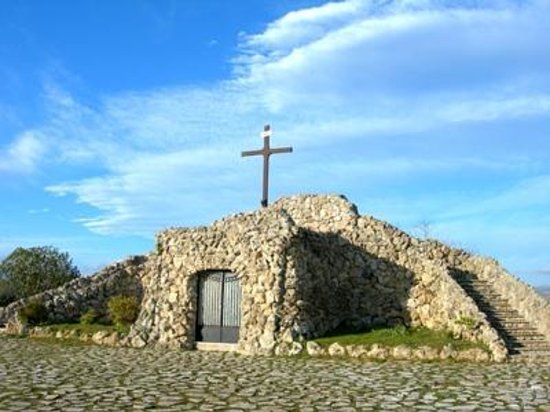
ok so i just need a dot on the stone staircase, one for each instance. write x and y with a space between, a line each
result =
523 341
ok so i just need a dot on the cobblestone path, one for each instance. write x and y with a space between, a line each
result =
41 376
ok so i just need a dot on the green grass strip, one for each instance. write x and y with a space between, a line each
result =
391 337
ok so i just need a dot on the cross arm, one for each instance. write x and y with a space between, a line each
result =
281 150
252 153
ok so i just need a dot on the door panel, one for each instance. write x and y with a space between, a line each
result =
219 307
231 316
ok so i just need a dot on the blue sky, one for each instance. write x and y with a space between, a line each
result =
118 119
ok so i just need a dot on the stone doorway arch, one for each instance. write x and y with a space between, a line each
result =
218 307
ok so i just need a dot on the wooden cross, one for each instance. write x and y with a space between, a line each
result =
266 152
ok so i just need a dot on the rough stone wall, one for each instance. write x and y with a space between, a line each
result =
251 246
323 214
307 265
394 278
68 302
336 286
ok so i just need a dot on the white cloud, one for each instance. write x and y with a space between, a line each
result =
392 52
23 154
304 26
154 191
344 74
497 108
38 211
526 195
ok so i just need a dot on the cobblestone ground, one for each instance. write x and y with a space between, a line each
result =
43 376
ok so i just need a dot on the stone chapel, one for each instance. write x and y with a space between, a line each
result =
298 269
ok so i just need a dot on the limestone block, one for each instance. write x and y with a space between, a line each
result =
425 353
111 340
282 349
447 353
137 342
336 350
267 341
314 349
402 352
295 349
378 352
98 337
356 351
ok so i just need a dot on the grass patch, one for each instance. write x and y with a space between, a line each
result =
88 329
391 337
49 340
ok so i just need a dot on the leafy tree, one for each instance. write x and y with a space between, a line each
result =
7 294
26 272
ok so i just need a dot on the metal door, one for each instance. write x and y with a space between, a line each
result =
219 307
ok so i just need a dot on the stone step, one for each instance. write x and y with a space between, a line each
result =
486 308
493 300
522 340
513 325
488 300
526 342
528 351
538 360
528 348
525 331
504 319
531 355
535 340
481 290
489 297
473 283
515 318
470 280
504 314
494 306
512 321
477 285
216 346
521 336
521 332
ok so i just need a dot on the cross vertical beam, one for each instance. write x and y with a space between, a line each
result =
266 152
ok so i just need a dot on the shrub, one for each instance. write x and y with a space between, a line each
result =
89 317
123 310
26 272
33 313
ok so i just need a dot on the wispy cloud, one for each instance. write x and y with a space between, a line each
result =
24 153
38 211
345 74
529 193
545 272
